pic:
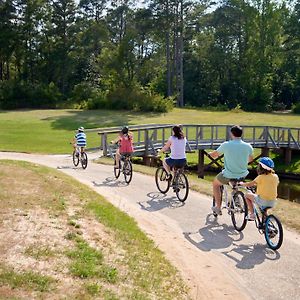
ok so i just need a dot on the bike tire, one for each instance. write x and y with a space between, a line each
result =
273 226
127 170
75 158
84 160
239 205
117 172
181 183
161 180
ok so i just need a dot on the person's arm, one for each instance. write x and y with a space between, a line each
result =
248 184
117 140
214 154
166 146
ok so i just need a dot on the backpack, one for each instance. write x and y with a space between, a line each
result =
126 144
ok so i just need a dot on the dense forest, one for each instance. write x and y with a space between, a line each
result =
149 55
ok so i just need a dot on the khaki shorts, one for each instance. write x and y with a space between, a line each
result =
225 180
222 179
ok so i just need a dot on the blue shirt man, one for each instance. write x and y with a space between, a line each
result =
237 154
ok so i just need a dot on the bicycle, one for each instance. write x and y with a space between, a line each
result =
268 225
235 203
80 156
125 166
179 183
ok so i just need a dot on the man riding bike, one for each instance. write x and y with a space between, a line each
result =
237 155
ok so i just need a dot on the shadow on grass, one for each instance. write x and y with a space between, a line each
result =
95 119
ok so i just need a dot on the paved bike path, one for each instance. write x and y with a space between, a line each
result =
216 261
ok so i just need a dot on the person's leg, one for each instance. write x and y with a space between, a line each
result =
118 156
217 192
166 166
250 199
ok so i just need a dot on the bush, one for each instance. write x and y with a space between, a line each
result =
18 94
296 108
138 99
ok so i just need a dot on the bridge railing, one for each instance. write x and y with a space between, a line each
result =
149 138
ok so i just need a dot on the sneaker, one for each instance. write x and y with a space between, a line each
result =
216 211
250 217
77 154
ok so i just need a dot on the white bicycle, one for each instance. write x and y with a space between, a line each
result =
234 201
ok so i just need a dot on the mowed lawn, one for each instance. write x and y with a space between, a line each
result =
50 131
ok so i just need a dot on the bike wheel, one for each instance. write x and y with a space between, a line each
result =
181 187
84 160
162 183
273 232
239 211
117 172
127 171
75 158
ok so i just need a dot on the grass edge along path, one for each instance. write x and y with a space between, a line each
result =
141 272
287 211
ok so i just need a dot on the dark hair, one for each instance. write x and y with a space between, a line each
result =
261 171
178 132
125 130
237 131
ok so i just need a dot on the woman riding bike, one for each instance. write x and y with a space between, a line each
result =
176 143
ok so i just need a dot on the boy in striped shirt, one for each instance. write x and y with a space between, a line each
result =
79 140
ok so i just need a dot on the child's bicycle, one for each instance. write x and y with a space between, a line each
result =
79 156
234 201
125 166
268 225
179 183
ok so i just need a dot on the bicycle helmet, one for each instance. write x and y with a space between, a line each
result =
267 163
81 129
125 130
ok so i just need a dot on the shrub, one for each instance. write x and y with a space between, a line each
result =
18 94
296 108
138 99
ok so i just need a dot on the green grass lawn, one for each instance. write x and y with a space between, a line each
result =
49 131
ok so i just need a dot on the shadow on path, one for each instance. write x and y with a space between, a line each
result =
247 256
213 235
221 236
158 201
110 182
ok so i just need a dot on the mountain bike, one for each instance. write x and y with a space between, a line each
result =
125 166
80 156
179 183
268 225
234 201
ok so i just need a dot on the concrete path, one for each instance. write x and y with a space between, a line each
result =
216 261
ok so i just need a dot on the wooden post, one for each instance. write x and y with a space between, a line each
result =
287 155
201 163
104 144
265 151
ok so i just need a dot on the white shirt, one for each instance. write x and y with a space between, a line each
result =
177 147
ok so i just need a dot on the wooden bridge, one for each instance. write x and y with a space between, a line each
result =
149 138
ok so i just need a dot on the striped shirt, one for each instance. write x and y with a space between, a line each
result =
80 139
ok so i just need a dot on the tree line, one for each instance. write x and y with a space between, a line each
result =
117 54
